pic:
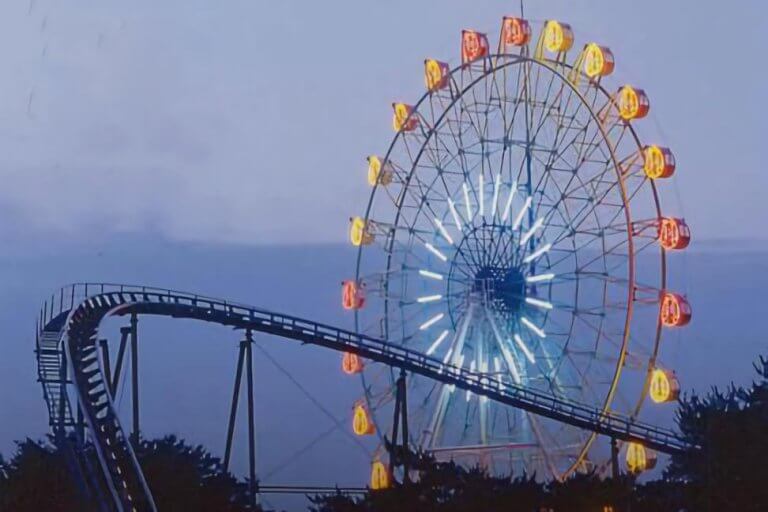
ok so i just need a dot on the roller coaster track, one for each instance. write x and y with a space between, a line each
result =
68 358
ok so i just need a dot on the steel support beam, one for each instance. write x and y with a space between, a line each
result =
136 429
251 427
124 333
234 406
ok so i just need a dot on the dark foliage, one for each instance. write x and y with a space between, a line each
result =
728 473
39 477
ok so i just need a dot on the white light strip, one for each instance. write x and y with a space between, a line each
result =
538 332
432 321
525 349
466 201
539 278
471 369
497 368
520 215
455 214
437 342
431 275
512 192
542 250
460 362
431 248
528 234
539 303
481 188
443 231
496 186
447 356
428 298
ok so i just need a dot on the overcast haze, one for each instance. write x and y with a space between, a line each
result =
248 122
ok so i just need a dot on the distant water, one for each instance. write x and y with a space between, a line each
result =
188 367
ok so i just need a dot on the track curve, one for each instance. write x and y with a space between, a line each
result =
74 315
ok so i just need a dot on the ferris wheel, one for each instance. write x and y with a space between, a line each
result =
514 228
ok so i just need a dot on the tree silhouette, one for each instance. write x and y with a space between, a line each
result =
39 477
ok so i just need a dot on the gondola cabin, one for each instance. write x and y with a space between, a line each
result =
359 232
403 118
598 60
674 234
352 295
351 364
362 424
515 31
379 173
380 478
639 458
664 386
658 162
474 45
675 310
558 37
633 103
436 74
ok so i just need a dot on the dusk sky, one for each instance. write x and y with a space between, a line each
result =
160 142
249 122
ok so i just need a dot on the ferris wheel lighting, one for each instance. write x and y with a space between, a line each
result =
509 201
428 298
524 348
539 303
432 321
528 234
443 231
448 356
539 278
431 248
536 330
466 201
496 186
480 188
455 214
431 275
437 342
542 250
460 362
520 215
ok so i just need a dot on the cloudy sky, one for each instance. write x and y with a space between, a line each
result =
248 121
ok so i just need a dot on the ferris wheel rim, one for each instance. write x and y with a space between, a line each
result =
512 60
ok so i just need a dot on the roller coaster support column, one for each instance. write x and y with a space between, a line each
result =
251 427
399 454
135 431
244 357
124 332
614 458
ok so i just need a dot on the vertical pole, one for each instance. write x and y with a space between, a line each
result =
105 363
614 458
124 332
135 434
404 419
62 394
80 426
393 455
233 409
251 427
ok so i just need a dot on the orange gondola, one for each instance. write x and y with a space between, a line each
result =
352 295
351 363
674 233
515 31
598 60
474 45
675 310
